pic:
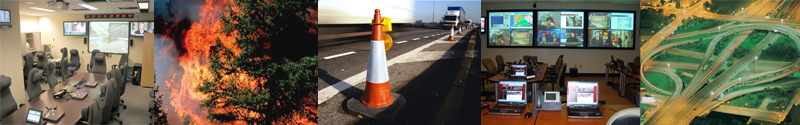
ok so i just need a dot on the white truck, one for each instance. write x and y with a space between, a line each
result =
454 15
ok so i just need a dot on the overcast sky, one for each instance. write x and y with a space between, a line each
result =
425 10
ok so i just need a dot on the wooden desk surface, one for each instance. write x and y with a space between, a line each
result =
621 70
549 117
539 69
72 107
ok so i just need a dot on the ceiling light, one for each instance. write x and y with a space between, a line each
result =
33 14
87 6
28 2
42 9
144 4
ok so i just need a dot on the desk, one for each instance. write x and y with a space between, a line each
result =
72 108
549 117
623 73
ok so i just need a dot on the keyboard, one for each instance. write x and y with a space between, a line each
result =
582 110
509 107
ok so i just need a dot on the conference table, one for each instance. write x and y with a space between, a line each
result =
548 117
541 69
72 107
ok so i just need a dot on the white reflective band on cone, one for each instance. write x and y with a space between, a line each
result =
377 72
451 31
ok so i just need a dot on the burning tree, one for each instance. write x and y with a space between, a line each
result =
256 81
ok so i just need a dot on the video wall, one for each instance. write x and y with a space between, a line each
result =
561 29
109 36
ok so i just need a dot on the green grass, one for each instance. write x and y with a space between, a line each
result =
728 6
703 25
677 58
749 100
660 80
784 49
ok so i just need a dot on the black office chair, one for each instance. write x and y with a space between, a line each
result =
99 64
91 60
112 99
93 113
629 116
34 90
117 75
123 64
28 66
42 60
74 61
64 70
6 98
50 68
64 53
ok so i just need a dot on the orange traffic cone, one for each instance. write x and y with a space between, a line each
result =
459 30
451 32
378 102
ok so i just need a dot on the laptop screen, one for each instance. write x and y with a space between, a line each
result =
518 70
33 116
511 91
582 93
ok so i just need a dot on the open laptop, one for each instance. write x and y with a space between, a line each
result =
34 117
582 98
519 70
511 98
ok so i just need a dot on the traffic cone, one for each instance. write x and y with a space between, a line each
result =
451 32
459 30
378 102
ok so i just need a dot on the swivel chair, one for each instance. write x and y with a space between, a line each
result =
629 116
99 61
91 60
75 61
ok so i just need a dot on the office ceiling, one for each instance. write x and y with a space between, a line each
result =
103 6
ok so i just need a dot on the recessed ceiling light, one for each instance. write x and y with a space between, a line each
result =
28 2
144 4
33 14
42 9
87 6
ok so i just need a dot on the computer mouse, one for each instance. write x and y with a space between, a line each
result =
528 115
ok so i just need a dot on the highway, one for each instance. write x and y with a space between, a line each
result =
433 74
683 104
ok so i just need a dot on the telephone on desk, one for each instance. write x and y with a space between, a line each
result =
549 101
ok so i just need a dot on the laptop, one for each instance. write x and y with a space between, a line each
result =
53 115
519 70
511 98
91 83
78 95
582 99
34 117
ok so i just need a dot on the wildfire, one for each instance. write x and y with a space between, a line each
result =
197 41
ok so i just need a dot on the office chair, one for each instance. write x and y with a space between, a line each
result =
42 60
50 69
123 64
99 61
112 98
6 97
64 70
28 66
501 64
64 53
629 116
91 60
492 71
118 76
93 113
75 61
34 90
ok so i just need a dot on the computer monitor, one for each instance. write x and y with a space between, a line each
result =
34 116
582 93
518 70
559 29
513 91
510 28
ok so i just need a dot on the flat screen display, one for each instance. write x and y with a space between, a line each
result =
109 37
511 91
611 29
75 28
482 19
560 29
549 96
33 116
510 28
5 16
582 93
140 28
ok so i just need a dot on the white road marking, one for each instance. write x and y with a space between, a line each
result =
330 91
339 55
401 42
415 39
426 37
